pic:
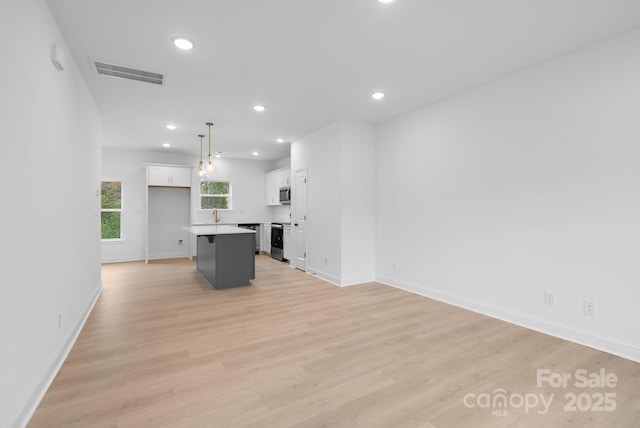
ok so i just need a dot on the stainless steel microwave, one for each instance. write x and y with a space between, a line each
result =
285 195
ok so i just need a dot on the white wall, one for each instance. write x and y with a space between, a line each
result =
128 166
340 201
246 176
357 199
490 198
320 152
169 211
248 187
283 163
50 228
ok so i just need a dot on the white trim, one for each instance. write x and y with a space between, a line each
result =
169 256
128 259
356 280
323 275
122 259
30 402
339 282
294 237
611 345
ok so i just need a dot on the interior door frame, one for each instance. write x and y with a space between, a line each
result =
295 217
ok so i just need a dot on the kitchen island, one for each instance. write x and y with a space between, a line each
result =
226 255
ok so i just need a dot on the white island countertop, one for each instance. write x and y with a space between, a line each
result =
216 230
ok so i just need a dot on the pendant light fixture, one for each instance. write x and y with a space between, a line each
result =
210 166
200 166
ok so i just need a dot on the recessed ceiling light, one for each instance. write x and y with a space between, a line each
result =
255 153
171 126
385 1
279 140
377 95
259 108
218 154
183 43
166 145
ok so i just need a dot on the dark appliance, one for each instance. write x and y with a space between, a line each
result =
285 195
256 227
277 243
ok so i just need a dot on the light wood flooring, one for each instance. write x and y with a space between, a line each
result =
163 349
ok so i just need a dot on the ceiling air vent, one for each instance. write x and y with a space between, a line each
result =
113 70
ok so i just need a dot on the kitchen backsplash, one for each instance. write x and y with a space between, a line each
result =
267 214
280 213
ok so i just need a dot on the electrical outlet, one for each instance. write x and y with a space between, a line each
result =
549 298
326 261
589 308
394 266
179 241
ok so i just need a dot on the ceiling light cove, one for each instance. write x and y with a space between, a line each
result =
377 95
171 126
259 108
182 43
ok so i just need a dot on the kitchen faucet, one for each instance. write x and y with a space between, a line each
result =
215 215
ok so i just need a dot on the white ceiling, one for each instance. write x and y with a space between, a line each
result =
309 62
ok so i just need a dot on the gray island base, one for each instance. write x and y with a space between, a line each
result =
226 255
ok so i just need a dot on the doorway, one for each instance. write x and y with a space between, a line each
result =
300 219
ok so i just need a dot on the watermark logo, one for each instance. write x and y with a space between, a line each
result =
499 401
594 394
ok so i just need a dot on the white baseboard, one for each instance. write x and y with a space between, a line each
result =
31 401
168 256
121 259
600 342
126 259
340 282
323 275
355 280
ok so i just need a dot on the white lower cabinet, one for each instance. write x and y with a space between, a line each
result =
286 242
265 242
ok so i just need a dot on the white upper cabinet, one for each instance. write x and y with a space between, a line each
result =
271 198
274 180
169 176
285 179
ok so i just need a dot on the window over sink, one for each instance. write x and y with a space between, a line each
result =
215 194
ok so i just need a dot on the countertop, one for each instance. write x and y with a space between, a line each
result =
217 230
228 223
